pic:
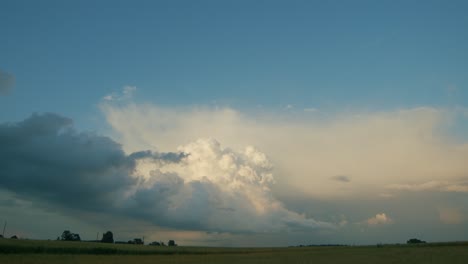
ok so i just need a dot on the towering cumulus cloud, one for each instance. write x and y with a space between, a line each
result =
216 189
202 186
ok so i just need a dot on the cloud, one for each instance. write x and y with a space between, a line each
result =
43 157
202 186
379 219
7 81
216 189
438 186
450 216
341 178
125 94
379 149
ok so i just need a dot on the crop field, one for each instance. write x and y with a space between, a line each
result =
35 251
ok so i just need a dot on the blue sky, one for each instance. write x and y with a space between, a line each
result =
341 75
66 55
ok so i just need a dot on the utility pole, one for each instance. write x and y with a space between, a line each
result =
4 227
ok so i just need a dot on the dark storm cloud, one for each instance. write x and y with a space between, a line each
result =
44 158
7 81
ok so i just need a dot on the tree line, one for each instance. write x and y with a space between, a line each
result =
108 237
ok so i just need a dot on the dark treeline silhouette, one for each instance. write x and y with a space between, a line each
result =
108 237
415 241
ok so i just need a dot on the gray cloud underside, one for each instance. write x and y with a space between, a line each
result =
44 158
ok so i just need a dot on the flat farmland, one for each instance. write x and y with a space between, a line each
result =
30 251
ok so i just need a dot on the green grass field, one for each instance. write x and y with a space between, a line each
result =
34 251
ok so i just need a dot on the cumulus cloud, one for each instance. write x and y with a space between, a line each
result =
201 186
379 219
216 189
7 81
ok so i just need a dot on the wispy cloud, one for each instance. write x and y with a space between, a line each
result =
125 94
341 178
450 216
439 186
7 82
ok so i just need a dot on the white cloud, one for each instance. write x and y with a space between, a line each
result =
310 109
125 94
379 219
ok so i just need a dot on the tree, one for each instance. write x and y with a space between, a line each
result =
171 243
66 235
76 237
69 236
415 241
107 237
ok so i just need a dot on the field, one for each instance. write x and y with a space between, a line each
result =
34 251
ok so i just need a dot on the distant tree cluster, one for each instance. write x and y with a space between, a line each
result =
69 236
170 243
415 241
136 241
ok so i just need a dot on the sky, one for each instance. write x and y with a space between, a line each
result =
235 123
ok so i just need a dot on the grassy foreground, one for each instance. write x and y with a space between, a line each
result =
29 251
